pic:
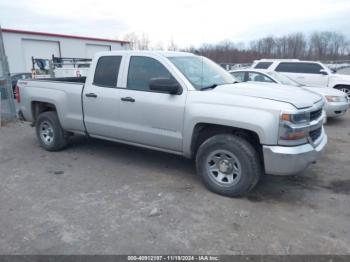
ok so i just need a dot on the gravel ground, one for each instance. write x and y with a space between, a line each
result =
98 197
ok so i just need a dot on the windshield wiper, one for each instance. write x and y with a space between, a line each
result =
209 87
215 85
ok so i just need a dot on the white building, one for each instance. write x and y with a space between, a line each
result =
21 46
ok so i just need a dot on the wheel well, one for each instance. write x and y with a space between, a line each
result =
340 86
40 107
203 131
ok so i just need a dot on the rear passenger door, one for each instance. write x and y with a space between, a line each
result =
101 98
304 73
147 117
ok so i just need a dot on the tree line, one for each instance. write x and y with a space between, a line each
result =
318 46
324 46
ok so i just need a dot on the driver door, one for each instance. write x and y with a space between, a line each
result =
148 117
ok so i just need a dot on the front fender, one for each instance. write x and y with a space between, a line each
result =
262 122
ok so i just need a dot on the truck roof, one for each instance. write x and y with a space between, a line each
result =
284 60
145 52
250 69
273 60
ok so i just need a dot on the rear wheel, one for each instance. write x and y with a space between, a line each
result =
50 134
228 165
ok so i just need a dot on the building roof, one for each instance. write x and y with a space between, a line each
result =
15 31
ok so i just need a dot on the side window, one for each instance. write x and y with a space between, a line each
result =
239 76
303 68
309 68
263 65
106 73
257 77
142 69
287 68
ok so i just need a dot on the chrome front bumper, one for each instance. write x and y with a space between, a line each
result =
284 160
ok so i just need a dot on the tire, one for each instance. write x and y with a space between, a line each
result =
228 165
50 133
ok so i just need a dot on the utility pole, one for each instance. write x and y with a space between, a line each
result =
8 109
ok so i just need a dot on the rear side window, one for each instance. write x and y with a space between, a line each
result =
257 77
303 68
142 70
106 73
263 65
239 76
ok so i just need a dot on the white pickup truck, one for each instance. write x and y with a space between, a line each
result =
308 73
183 104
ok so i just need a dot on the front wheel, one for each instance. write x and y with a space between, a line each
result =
228 165
50 134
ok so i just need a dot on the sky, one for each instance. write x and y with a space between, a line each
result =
185 22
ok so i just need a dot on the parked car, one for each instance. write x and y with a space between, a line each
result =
17 76
336 102
309 73
183 104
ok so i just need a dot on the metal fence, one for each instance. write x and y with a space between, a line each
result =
7 103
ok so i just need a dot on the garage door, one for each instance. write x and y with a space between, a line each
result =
39 49
92 49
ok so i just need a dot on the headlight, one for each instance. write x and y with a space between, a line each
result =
336 98
296 118
294 129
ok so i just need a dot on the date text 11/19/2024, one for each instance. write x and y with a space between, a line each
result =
173 258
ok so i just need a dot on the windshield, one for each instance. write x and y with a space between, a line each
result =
284 80
202 72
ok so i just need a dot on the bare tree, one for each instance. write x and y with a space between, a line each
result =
133 39
138 41
320 46
172 46
144 43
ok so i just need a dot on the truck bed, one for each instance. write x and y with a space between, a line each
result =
64 79
63 93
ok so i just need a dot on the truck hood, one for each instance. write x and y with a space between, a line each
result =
300 98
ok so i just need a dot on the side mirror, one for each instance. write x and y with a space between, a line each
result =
323 72
165 85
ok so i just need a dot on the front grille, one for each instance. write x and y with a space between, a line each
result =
315 114
314 134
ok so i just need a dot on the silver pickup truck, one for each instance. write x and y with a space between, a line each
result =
183 104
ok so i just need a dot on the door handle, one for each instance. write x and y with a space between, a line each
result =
91 95
128 99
